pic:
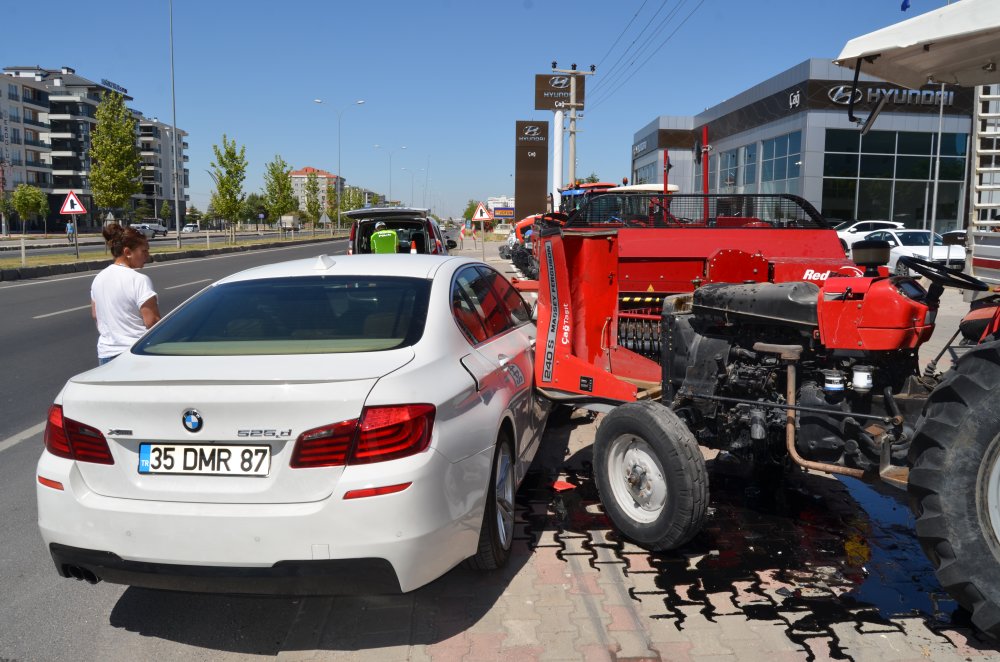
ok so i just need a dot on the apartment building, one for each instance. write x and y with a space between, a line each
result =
159 166
324 179
25 149
55 117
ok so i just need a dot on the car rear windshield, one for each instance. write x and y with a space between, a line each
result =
309 315
407 231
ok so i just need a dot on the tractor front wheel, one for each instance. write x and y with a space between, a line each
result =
651 475
954 484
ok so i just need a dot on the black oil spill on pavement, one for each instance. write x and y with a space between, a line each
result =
809 551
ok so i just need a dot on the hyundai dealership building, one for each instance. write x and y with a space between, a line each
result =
792 134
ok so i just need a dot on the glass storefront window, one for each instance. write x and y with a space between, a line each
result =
840 165
838 198
749 164
911 142
879 142
874 199
952 168
842 140
952 144
909 203
947 206
877 166
794 142
913 167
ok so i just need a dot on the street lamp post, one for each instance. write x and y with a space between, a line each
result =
340 175
413 175
390 152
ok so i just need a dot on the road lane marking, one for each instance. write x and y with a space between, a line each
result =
203 280
92 274
21 436
60 312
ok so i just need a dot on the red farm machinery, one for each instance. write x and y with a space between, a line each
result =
735 322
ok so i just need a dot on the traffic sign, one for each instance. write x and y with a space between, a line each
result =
482 214
72 205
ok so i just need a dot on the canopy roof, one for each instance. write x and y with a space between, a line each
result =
958 44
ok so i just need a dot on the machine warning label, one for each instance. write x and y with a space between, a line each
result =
587 384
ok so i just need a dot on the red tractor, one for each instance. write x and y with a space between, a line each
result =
736 323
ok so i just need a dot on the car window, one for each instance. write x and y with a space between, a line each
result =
464 309
517 308
479 290
308 315
864 227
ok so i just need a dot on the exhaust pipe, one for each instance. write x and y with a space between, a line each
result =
81 574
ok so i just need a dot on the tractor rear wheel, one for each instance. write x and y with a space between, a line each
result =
954 484
650 475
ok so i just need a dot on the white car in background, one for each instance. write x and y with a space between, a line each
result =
850 232
332 425
916 243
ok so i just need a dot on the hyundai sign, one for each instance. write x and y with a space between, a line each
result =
552 91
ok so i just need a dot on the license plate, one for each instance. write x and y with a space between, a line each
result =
204 459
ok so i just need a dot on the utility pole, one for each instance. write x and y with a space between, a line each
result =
573 106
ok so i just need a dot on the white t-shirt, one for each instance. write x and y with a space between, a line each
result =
117 293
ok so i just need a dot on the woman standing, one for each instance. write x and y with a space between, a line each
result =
122 300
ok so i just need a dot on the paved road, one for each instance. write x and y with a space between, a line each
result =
812 569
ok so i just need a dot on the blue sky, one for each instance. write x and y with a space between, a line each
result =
447 79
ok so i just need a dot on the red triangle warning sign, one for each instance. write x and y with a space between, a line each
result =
72 205
482 214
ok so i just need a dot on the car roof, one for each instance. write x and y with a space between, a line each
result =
398 265
386 212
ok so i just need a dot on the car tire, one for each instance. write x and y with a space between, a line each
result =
843 244
650 475
901 269
954 484
497 530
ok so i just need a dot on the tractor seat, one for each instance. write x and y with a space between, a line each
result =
791 303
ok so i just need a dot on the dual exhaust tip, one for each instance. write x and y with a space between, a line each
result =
82 574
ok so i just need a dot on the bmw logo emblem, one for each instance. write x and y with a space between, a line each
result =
192 420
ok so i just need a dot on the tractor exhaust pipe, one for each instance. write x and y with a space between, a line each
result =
790 354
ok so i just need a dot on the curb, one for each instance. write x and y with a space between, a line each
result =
25 273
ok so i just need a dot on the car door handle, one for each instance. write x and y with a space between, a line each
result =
503 360
531 343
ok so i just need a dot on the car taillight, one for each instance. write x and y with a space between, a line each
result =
382 433
389 433
327 446
73 440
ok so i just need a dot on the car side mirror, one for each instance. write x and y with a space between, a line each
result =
452 244
852 230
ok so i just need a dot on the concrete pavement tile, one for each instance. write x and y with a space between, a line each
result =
632 645
575 545
484 646
595 653
969 646
452 649
639 563
555 619
547 537
694 657
623 618
553 595
521 633
735 628
520 654
706 642
559 646
592 631
585 584
773 637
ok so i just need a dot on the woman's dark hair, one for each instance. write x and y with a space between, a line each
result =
118 239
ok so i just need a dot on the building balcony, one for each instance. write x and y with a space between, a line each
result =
68 117
66 97
63 153
62 171
35 123
36 143
16 162
62 135
38 103
41 165
185 158
15 141
184 145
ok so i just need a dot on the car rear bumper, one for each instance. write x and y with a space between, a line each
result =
419 533
329 577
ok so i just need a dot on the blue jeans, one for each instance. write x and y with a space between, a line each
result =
101 361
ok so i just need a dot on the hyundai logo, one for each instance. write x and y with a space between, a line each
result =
531 131
192 420
559 82
842 94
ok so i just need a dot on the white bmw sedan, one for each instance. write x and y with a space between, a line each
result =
319 426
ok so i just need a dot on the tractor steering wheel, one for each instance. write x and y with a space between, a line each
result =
942 275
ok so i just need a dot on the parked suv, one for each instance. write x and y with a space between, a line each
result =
414 228
154 227
852 231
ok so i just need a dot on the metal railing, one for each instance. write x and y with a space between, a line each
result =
36 123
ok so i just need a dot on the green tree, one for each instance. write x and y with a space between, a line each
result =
114 173
252 207
193 215
28 201
278 196
228 172
142 210
166 213
592 178
312 197
331 200
470 209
